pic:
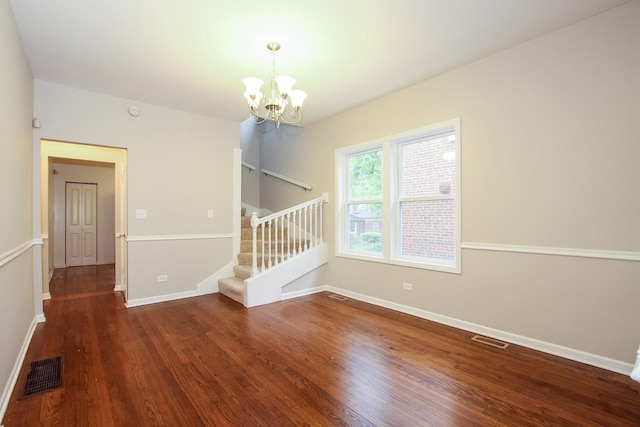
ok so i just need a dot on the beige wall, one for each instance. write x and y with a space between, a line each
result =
280 152
250 136
17 312
104 176
179 167
550 158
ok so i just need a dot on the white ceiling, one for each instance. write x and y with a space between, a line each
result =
192 55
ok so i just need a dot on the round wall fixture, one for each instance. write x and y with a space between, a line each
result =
134 111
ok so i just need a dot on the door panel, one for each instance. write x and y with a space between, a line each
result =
81 224
88 214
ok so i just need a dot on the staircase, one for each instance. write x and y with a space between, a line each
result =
274 251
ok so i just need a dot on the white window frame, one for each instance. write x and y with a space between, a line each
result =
390 204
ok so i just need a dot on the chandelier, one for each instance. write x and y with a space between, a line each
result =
279 95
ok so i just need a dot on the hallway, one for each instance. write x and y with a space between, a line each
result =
82 282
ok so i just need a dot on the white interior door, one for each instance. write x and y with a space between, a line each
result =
80 223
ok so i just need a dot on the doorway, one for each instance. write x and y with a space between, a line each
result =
116 158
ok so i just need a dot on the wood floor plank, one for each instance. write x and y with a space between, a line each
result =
314 360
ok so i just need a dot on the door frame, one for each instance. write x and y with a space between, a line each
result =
50 150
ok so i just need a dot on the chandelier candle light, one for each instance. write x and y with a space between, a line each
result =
277 97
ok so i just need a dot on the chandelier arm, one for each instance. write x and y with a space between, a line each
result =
291 122
257 118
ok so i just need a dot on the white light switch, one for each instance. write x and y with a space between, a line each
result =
141 214
210 213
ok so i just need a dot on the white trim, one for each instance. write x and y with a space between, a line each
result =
15 372
399 262
236 207
159 298
542 250
635 373
179 237
287 179
46 296
14 253
390 198
210 284
304 292
543 346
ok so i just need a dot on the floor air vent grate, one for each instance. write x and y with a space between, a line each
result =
44 375
338 297
490 341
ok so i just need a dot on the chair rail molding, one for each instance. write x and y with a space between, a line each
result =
544 250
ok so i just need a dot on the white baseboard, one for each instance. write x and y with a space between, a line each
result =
160 298
635 373
545 347
46 296
304 292
15 372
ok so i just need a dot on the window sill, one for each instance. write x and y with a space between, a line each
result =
401 263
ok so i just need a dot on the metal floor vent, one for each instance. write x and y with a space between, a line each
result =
490 341
338 297
44 375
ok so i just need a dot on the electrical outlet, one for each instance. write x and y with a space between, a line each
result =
407 286
163 278
210 213
141 214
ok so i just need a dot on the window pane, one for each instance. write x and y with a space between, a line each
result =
428 167
365 228
365 176
427 230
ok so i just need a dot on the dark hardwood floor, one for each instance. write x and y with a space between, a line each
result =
314 360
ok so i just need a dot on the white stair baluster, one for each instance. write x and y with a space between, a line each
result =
268 246
288 216
254 261
314 222
281 238
296 233
307 228
262 246
321 235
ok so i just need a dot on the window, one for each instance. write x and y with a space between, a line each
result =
364 202
398 199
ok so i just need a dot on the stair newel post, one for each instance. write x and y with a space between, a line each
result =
254 231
